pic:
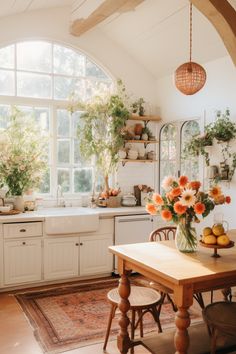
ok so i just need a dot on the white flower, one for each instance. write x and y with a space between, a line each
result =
167 182
188 197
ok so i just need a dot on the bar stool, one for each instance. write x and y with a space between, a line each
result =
220 317
142 300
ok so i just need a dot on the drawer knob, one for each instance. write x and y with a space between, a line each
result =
23 243
81 243
77 244
22 230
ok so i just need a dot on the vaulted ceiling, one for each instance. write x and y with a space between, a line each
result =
155 33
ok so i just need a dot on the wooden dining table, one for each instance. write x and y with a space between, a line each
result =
185 273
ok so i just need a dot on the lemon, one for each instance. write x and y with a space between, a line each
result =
223 240
207 231
210 240
218 229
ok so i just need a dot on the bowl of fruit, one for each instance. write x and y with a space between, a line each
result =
215 237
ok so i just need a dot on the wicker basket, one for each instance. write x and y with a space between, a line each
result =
114 202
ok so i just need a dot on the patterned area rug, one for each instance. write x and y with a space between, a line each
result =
74 316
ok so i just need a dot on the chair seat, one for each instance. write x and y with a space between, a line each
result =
140 297
222 316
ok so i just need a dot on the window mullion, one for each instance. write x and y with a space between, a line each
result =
54 150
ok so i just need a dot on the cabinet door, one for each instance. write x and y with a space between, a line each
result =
95 257
22 261
61 257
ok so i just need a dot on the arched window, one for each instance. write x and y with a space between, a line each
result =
189 165
40 78
173 137
168 151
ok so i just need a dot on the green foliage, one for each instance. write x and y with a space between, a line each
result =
223 129
147 130
101 130
137 106
22 154
196 146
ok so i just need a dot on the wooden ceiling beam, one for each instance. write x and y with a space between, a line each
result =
223 17
102 12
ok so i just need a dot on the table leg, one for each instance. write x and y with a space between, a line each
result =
182 322
123 339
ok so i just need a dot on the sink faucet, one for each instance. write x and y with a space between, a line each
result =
60 200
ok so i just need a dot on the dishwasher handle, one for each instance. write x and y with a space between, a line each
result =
147 218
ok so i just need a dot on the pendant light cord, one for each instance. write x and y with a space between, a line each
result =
190 33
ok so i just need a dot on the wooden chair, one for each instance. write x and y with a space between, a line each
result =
220 318
142 300
168 233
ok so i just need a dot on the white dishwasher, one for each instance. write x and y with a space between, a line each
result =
133 229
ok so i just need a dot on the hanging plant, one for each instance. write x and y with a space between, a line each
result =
222 129
196 146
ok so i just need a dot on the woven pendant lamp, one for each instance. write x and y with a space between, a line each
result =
190 77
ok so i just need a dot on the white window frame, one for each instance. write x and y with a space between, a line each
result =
179 124
52 105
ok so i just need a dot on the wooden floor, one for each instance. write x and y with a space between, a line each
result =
16 334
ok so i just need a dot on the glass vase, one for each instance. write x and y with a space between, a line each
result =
186 237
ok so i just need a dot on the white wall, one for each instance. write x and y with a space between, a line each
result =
53 24
219 93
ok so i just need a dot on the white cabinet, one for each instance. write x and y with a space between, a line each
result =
22 261
61 257
68 257
95 257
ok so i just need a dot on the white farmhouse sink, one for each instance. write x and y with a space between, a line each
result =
70 220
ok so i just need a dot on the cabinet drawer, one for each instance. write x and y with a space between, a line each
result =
24 229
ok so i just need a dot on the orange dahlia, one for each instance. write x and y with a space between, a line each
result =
169 196
228 199
179 208
176 192
199 208
195 185
183 180
166 215
215 192
151 209
220 199
157 198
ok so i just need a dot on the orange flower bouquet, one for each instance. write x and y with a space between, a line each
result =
183 203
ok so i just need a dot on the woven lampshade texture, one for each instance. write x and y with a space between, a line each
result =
190 77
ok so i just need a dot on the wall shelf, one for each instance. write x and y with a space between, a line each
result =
145 118
124 161
142 141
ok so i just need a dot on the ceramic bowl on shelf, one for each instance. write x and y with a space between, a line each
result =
122 154
133 154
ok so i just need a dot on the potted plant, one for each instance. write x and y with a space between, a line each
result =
22 156
196 146
222 129
137 106
101 133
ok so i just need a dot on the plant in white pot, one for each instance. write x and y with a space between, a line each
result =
22 156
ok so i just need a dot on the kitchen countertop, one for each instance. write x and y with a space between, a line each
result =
41 214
